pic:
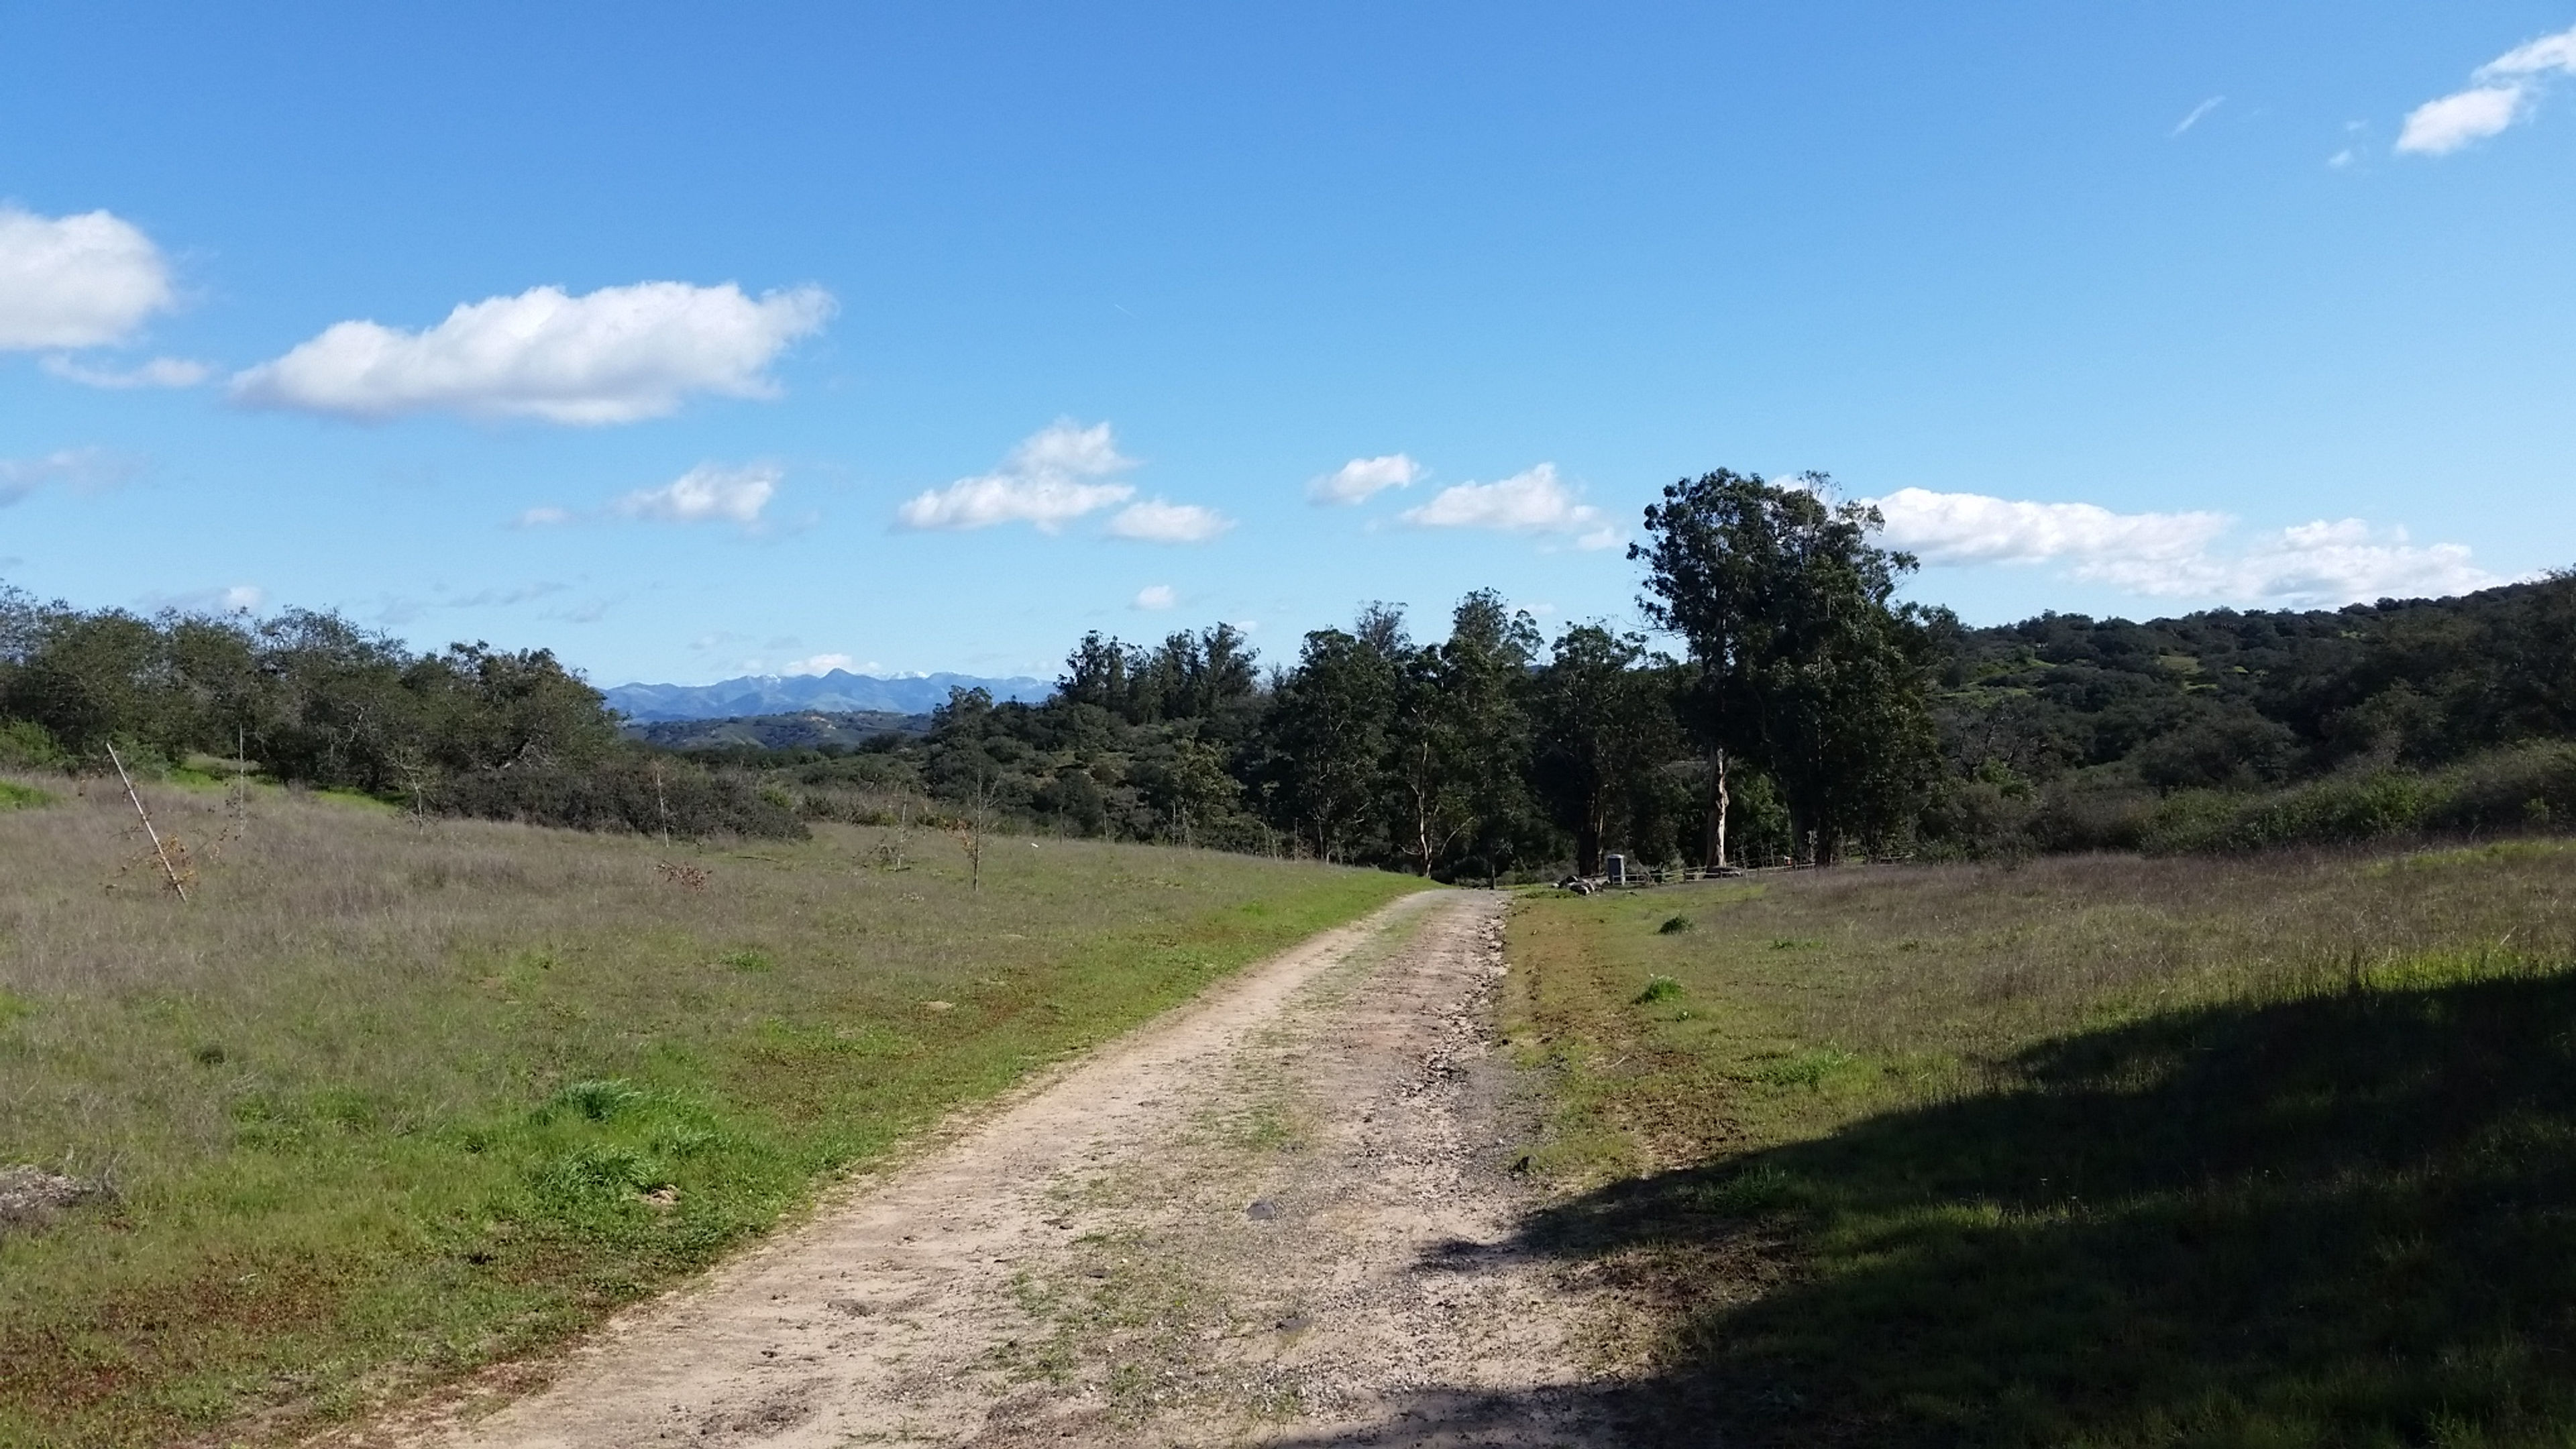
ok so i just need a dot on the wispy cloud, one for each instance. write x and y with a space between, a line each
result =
1054 476
76 281
617 355
1157 521
504 598
821 664
159 372
2180 555
1534 502
230 599
86 470
1154 596
1361 479
2502 92
707 493
2198 113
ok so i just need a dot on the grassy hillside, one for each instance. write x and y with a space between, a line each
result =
2100 1151
391 1099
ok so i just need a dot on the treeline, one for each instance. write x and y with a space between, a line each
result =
1801 714
1797 725
1794 711
313 700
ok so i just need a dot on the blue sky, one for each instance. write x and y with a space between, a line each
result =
929 336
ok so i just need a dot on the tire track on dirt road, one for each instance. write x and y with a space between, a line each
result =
1261 1218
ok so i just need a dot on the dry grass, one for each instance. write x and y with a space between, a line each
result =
391 1098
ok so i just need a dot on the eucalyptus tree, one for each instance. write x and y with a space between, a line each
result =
1601 723
1807 665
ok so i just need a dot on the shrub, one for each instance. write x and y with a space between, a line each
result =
623 792
27 745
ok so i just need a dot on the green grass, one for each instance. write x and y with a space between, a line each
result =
2100 1151
391 1100
14 796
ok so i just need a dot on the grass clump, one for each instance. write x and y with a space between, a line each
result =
2100 1151
1658 988
14 796
1675 925
389 1099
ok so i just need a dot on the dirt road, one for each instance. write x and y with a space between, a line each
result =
1257 1221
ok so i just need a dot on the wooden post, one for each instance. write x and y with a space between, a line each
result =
157 849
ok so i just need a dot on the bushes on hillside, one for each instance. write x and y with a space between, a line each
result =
630 791
313 699
2515 790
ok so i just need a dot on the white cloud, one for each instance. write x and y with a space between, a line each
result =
2179 555
545 515
2439 127
1361 479
88 470
706 493
2198 114
2504 92
1050 479
1155 596
612 356
159 372
1533 502
1157 521
818 664
2312 565
76 281
2342 158
1971 528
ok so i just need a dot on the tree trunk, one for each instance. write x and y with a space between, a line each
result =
1713 840
1717 858
1587 840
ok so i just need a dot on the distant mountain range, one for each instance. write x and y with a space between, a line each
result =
839 692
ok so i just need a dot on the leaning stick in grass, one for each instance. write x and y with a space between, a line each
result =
157 849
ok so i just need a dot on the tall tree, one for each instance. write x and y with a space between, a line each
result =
1713 568
1601 722
1485 682
1806 663
1329 739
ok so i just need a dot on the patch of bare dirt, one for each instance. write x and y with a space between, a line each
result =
31 1196
1273 1217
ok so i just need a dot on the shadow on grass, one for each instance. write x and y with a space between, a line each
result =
2347 1219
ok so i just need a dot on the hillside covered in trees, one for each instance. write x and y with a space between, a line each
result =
1789 708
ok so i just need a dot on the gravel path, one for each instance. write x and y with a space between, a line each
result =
1262 1219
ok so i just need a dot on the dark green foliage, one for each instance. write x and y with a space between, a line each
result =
1815 716
1807 669
313 699
1603 725
2231 730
